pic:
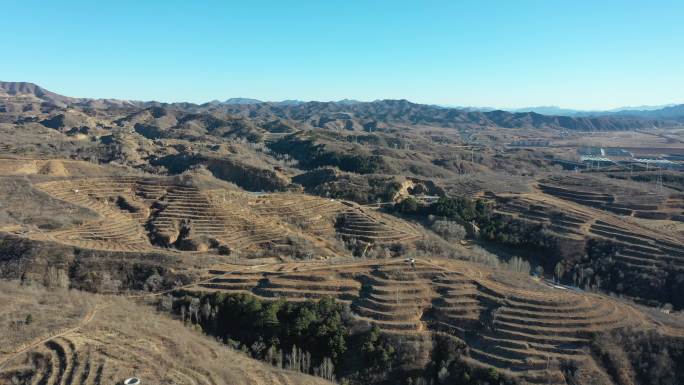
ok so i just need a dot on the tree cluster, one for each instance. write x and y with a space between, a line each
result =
313 155
461 208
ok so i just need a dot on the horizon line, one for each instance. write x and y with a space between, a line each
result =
441 105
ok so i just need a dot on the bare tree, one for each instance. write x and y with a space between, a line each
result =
326 369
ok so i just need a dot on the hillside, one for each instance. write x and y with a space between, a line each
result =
23 89
363 113
405 112
107 340
507 321
24 96
374 243
669 113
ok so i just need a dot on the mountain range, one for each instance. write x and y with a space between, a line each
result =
668 111
350 114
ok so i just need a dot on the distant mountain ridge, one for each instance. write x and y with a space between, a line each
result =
242 101
675 112
392 112
547 110
30 89
365 115
668 111
26 89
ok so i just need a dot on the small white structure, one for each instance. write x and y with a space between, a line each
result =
132 381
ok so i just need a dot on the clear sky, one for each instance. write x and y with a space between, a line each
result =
508 53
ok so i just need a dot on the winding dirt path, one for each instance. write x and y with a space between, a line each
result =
84 321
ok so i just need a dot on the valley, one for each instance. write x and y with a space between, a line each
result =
479 245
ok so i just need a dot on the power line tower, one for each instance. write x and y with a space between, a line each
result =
659 180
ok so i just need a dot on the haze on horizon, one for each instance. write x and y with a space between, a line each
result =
500 54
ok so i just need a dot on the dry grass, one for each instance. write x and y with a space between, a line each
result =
25 206
49 311
134 214
527 324
122 340
672 228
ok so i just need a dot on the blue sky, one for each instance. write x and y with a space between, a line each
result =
515 53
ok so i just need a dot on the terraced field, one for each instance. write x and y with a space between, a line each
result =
645 251
364 225
187 209
143 214
622 200
57 361
118 229
142 202
122 340
640 250
316 215
571 224
511 323
522 328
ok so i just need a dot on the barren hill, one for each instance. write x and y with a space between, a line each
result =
405 112
363 114
24 89
378 243
24 93
86 339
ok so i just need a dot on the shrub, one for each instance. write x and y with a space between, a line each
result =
408 206
377 350
518 265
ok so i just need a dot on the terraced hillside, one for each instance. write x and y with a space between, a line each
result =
313 214
625 255
568 223
118 339
509 322
650 262
360 224
621 199
119 228
144 214
136 199
642 251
